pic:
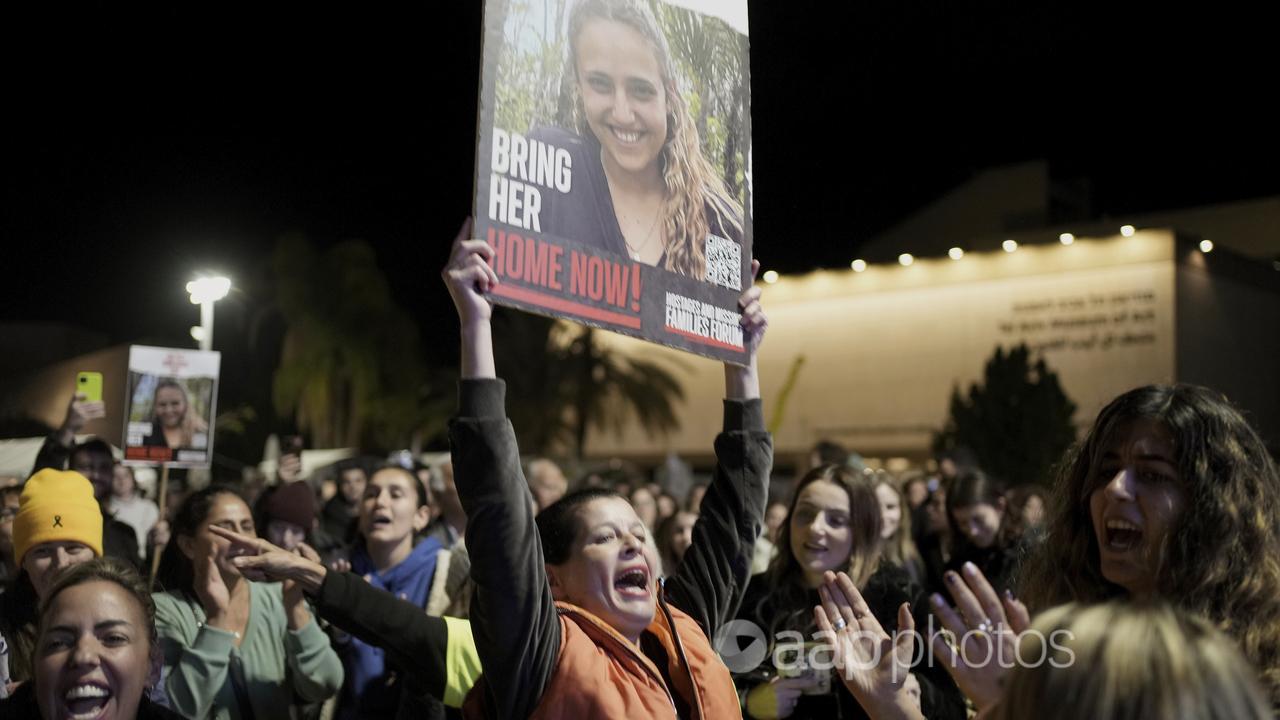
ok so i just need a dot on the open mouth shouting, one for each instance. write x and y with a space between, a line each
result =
85 701
633 583
1120 536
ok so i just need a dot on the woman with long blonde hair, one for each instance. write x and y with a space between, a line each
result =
895 530
641 184
1126 661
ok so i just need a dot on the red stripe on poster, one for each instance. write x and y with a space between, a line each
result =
704 340
568 306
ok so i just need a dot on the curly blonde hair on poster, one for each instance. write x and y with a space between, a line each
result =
693 188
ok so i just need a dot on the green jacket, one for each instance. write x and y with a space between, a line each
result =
276 662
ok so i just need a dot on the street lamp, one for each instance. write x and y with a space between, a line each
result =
206 291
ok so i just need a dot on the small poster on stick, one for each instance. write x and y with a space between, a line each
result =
170 400
613 174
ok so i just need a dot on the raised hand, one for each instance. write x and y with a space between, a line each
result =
873 665
469 276
289 468
79 412
469 279
985 630
754 322
214 595
260 561
158 535
743 383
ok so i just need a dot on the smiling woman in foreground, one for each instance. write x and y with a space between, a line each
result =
96 653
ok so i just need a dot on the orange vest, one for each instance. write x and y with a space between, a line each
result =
600 674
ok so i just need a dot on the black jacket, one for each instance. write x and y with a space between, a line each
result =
513 616
886 590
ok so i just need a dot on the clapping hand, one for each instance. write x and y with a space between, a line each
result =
873 665
986 630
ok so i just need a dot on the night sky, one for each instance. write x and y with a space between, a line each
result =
142 145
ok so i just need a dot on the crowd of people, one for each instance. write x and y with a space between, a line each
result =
1141 582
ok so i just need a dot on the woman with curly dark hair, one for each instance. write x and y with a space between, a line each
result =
1172 496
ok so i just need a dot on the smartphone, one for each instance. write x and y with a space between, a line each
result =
90 383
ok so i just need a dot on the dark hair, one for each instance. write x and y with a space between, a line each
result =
175 573
830 453
558 522
1020 495
355 463
1220 559
107 569
662 538
418 487
18 619
974 487
94 445
787 594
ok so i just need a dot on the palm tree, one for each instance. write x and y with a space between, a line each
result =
568 382
713 57
351 370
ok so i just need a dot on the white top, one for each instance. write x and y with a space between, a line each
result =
140 513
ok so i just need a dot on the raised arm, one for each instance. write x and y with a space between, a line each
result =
437 653
513 616
713 576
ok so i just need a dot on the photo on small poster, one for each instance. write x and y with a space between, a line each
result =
613 165
171 400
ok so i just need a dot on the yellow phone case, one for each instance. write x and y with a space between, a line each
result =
90 383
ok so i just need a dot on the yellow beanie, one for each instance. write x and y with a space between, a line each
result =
57 505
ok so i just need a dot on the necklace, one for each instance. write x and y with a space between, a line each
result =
648 237
635 251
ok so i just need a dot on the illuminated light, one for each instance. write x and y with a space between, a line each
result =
1009 245
1127 230
1206 246
858 265
955 253
771 276
1066 238
197 333
208 289
906 259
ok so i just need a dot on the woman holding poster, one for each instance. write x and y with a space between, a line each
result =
174 424
642 187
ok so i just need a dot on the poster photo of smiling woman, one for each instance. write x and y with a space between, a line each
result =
619 129
171 397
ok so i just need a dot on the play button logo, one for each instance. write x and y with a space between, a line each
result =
741 645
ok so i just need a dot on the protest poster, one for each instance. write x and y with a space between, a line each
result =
170 402
613 165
